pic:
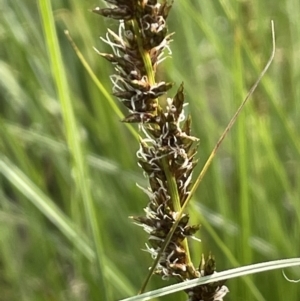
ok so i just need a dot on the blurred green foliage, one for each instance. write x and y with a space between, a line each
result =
250 196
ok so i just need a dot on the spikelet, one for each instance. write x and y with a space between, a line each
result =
167 149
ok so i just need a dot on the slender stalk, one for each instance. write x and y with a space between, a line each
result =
228 274
210 159
145 54
73 138
171 181
176 201
99 85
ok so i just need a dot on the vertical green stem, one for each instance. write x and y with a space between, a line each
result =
145 55
171 182
242 156
172 188
73 138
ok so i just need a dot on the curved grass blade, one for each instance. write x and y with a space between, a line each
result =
209 160
229 274
47 207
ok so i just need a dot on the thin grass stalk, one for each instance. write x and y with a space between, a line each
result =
228 274
99 85
211 157
73 138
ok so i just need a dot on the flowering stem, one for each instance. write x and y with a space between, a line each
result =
171 181
172 187
167 151
145 54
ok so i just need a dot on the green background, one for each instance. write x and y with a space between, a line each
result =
249 197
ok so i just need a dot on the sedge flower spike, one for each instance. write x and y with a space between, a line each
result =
167 150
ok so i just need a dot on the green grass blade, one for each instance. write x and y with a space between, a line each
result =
73 136
16 177
46 206
229 274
